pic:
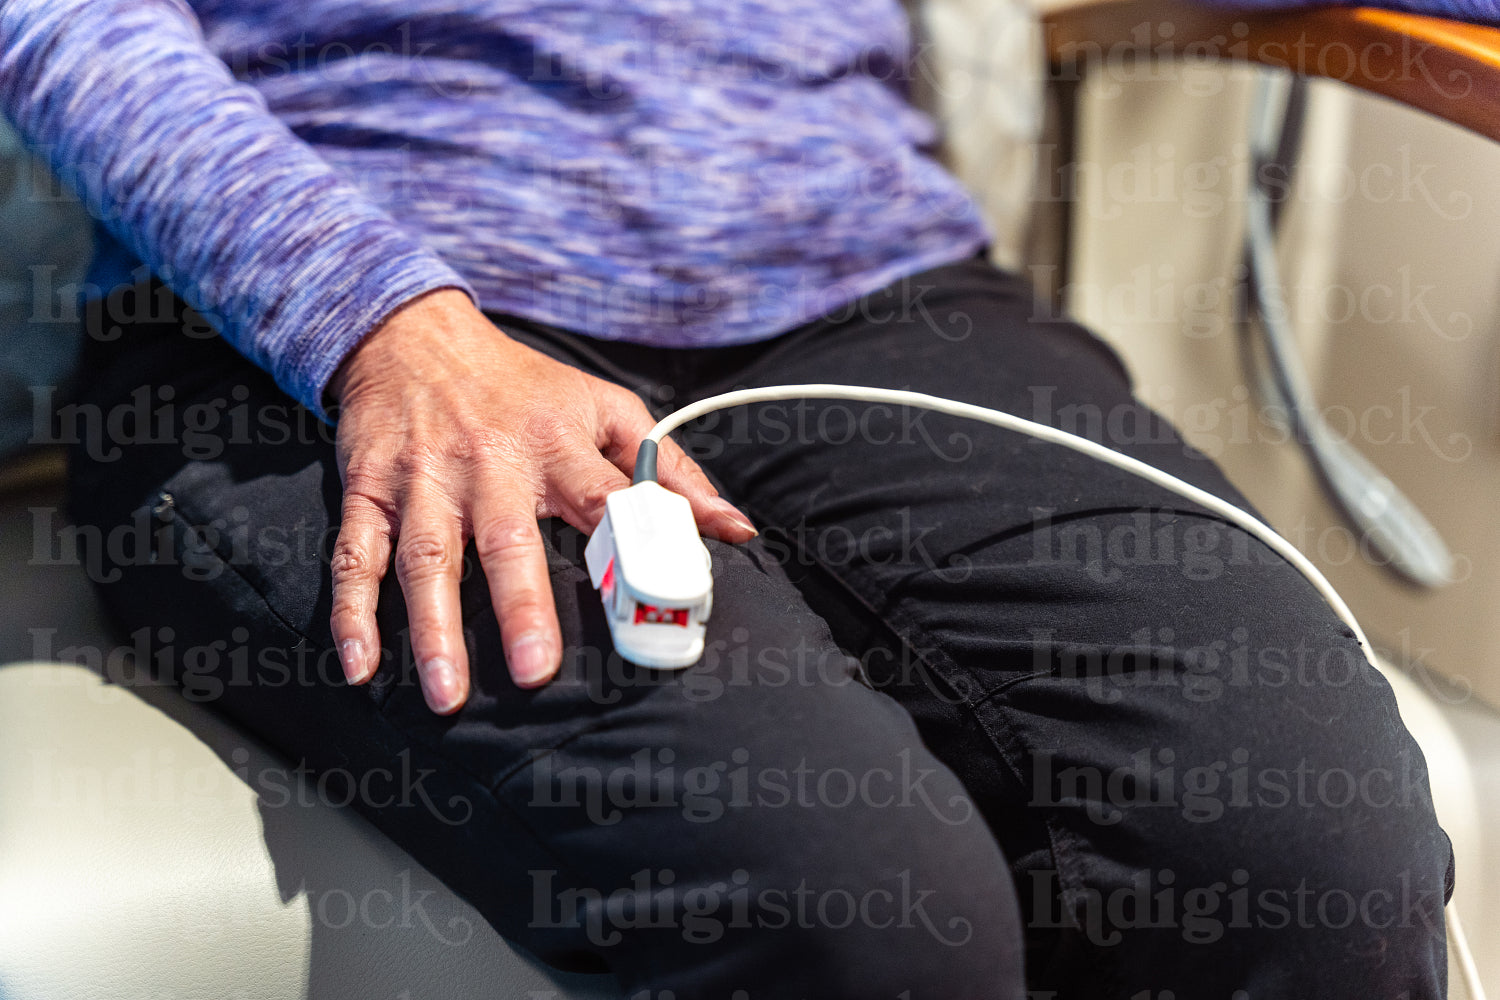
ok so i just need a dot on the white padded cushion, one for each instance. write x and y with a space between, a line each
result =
136 863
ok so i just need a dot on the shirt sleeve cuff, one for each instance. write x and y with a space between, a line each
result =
346 311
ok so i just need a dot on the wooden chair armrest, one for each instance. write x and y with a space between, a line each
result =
1447 68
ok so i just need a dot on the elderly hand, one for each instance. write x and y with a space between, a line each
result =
448 430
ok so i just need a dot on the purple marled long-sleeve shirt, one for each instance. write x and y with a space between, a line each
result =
672 172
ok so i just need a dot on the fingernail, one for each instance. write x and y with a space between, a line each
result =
440 685
352 659
530 659
734 514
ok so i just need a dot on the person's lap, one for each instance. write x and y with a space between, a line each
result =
1057 645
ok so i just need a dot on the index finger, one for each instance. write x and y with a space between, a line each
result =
628 426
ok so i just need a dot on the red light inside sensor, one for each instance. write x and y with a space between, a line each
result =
647 614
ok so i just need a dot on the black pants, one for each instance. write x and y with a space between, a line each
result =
971 703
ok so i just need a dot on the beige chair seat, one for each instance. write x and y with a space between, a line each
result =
136 861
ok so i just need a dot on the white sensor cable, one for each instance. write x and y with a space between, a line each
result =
646 462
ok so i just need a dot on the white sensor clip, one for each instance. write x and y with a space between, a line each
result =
653 573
